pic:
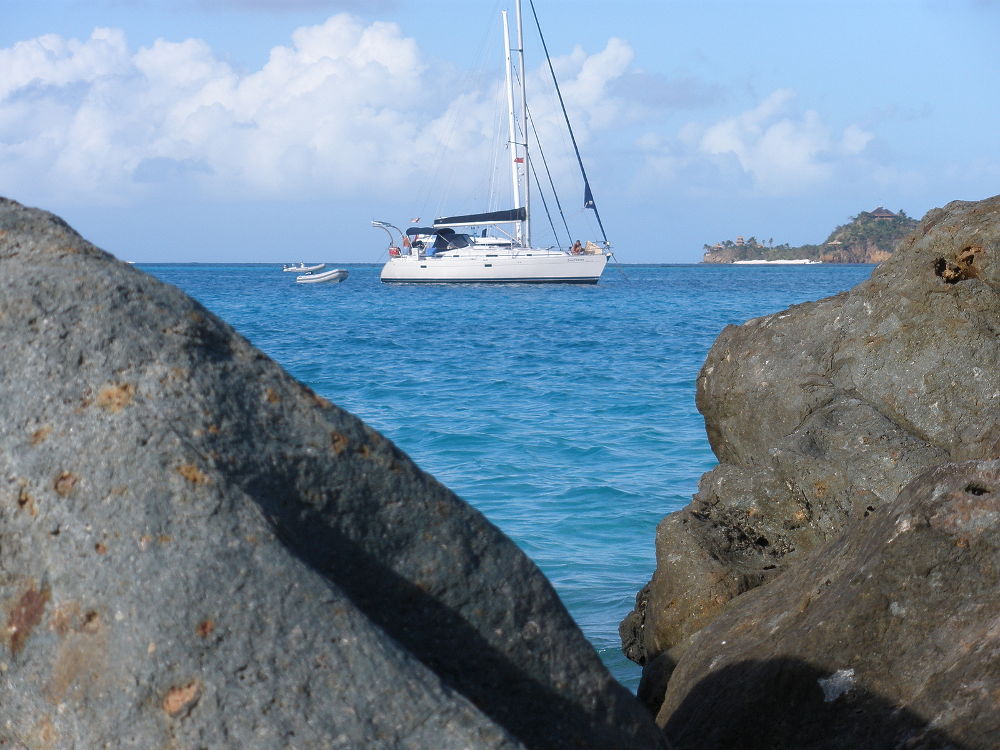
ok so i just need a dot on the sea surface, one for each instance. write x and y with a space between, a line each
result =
563 413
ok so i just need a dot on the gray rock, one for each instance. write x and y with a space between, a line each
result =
198 551
888 637
822 413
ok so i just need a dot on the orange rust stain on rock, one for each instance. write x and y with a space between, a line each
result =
100 548
115 396
822 489
26 502
24 615
320 401
68 618
272 396
40 434
338 442
205 628
193 474
64 618
65 483
46 734
180 700
147 539
90 622
80 668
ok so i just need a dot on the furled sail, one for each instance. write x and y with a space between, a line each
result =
494 217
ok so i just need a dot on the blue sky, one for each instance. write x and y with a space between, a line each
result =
267 130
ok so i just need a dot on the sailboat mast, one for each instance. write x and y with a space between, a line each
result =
510 121
524 126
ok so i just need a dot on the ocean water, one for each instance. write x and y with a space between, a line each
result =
564 413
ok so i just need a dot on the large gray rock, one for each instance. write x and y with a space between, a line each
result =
198 551
820 414
888 637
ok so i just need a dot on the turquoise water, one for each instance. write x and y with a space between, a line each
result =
564 413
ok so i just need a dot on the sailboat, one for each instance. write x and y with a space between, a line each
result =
484 251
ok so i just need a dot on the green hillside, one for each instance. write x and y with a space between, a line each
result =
869 237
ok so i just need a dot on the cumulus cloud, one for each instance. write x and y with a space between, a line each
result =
773 148
782 150
344 108
287 6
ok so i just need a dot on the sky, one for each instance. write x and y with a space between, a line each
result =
276 130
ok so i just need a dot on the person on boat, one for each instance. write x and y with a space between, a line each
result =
577 248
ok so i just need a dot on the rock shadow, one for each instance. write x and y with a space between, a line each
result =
788 704
445 642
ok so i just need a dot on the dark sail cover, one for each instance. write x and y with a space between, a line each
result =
495 217
588 197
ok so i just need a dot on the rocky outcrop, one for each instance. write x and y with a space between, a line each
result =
721 255
888 638
860 251
819 416
198 551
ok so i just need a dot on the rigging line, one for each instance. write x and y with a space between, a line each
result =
496 151
545 203
531 166
444 172
545 163
588 195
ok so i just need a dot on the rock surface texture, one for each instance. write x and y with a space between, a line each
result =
889 638
199 552
819 416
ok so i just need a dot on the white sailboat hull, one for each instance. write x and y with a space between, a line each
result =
533 267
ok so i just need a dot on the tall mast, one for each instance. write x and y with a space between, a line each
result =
510 122
524 127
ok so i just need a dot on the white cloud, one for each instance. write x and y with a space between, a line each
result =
52 60
782 150
344 108
854 140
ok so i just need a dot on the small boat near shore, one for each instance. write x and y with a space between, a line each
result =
334 275
303 268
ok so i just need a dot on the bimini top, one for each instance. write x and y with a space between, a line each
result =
445 239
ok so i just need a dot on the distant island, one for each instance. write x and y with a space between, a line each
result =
869 237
